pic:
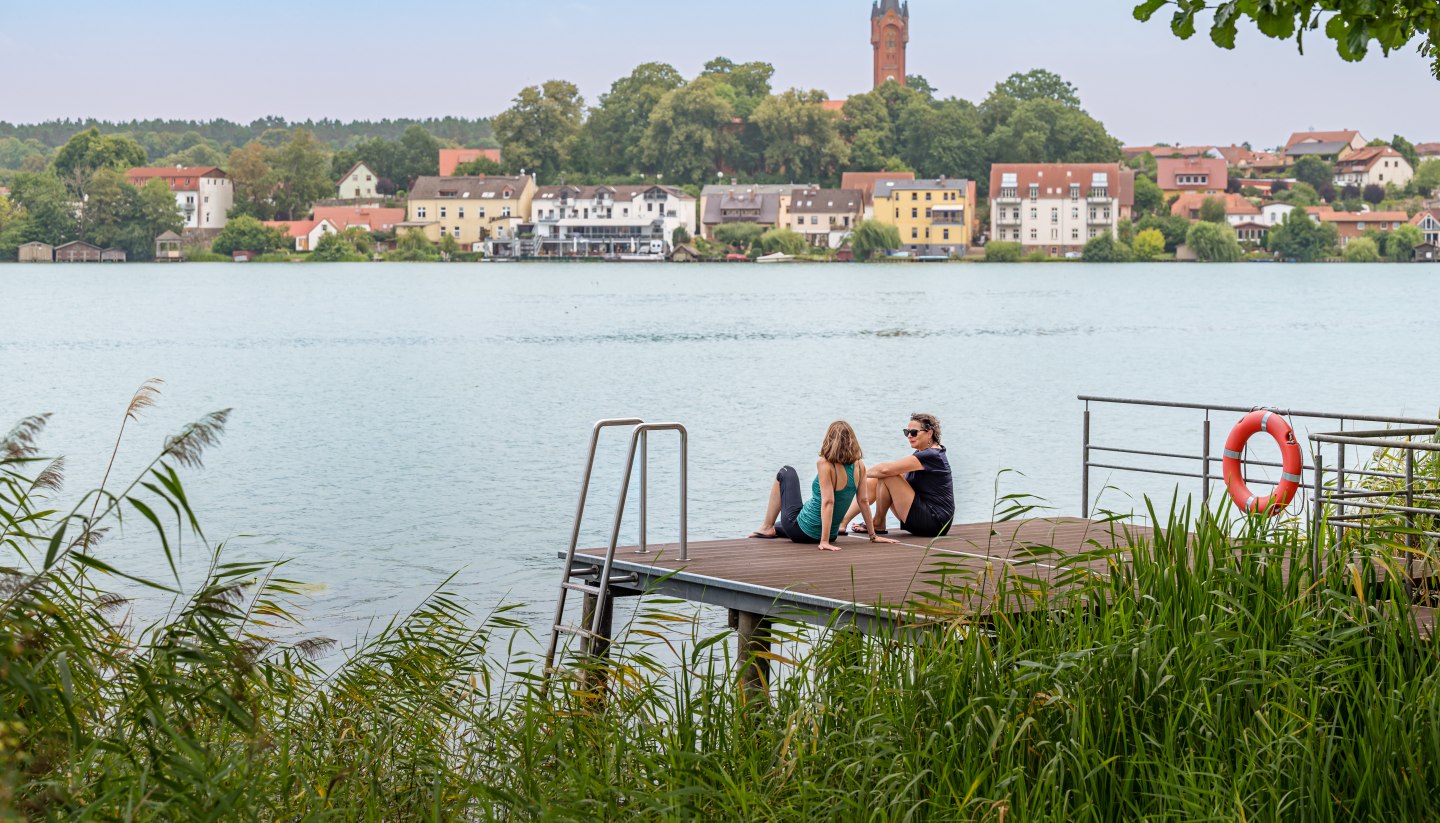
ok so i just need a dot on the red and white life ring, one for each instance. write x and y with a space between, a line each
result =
1292 460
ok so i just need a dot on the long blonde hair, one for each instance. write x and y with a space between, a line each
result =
841 445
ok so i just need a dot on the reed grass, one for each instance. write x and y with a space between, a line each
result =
1212 672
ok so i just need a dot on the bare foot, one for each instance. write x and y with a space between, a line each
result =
829 547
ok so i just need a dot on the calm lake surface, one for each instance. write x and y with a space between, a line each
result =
394 424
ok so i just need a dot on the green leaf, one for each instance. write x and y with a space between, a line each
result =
1146 10
1222 33
1183 23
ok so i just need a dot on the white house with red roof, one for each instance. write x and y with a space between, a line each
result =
305 233
361 217
358 183
205 194
1429 224
1373 166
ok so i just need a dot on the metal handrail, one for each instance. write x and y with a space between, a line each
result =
1403 421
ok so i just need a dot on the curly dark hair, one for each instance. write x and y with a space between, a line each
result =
929 423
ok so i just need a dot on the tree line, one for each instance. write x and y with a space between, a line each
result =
728 120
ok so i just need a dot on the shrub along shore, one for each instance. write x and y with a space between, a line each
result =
1216 676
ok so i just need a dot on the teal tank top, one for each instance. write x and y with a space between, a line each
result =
809 518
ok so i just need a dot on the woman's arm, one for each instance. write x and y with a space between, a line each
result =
895 468
862 492
827 502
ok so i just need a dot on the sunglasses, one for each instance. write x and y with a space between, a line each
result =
910 432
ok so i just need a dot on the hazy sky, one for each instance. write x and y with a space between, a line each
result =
372 59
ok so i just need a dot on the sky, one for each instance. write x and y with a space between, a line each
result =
366 59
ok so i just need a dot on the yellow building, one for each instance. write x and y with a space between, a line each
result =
470 209
935 217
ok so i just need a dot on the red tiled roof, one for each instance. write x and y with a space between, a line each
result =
178 179
1427 149
1345 136
293 228
1054 179
1329 215
343 217
451 158
1165 151
1192 201
1421 215
1362 159
1167 168
865 181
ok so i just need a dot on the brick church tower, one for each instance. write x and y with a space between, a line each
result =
890 33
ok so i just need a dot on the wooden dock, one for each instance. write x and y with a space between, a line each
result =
870 583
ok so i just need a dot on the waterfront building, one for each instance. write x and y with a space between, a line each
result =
205 194
473 210
1373 166
890 35
1353 224
1238 209
1183 175
603 220
304 234
77 251
37 252
764 205
358 184
167 248
451 159
369 218
934 217
1429 224
865 182
1058 207
825 217
1327 145
1273 214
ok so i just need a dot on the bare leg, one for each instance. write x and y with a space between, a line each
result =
772 511
894 495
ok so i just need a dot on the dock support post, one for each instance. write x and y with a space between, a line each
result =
596 650
752 642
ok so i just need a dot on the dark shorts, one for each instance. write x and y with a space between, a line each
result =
924 521
791 502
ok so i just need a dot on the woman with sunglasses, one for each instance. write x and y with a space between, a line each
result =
918 488
839 475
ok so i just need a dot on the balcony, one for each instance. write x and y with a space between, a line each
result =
1099 198
1010 200
1001 220
1098 219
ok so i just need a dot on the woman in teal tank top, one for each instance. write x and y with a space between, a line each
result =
839 479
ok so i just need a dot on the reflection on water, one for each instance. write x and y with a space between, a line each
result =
396 423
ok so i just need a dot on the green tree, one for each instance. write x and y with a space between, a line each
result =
1103 248
14 152
1400 244
337 247
1300 195
1002 251
479 167
616 127
942 139
1149 199
1301 238
1362 250
49 206
89 151
254 180
1149 244
741 236
245 233
746 84
301 171
802 139
538 133
1038 84
416 154
787 241
921 85
1406 149
690 133
13 220
1316 172
1427 177
871 238
1172 227
1212 210
413 247
1352 25
1047 131
1214 243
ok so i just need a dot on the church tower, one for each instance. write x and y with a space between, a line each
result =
890 33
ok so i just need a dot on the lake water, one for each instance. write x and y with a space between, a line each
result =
396 423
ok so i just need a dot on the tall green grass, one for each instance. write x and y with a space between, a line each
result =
1212 672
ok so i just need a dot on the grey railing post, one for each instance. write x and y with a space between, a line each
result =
1205 460
1318 514
644 486
1410 515
1085 467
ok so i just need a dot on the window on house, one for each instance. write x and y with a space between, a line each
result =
914 234
442 231
914 196
480 212
1054 215
460 212
947 234
914 213
927 196
1034 191
505 211
1034 235
1074 234
420 212
442 213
